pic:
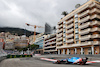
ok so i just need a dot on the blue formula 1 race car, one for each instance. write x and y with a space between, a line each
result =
73 60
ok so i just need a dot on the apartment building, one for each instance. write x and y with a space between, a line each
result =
50 44
79 31
21 41
39 41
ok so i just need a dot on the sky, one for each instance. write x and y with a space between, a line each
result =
15 13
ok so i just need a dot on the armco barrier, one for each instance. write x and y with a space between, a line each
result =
2 58
18 56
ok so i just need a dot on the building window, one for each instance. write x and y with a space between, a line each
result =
64 39
64 22
76 21
76 31
76 37
76 16
64 30
64 26
77 42
76 26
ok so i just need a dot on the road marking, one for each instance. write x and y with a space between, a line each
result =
95 61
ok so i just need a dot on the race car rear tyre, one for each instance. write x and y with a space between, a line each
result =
58 62
81 63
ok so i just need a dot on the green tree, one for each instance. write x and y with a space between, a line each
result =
64 13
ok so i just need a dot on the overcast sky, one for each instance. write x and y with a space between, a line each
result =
15 13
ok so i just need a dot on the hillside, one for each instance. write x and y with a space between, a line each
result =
19 31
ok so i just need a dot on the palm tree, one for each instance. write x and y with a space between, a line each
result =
64 13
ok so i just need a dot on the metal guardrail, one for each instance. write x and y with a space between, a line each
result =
3 55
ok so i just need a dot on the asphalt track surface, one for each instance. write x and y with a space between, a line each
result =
32 62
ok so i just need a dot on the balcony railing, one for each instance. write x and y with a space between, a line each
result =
58 39
95 29
83 8
85 31
69 41
95 10
49 43
87 37
96 36
59 43
60 30
60 26
50 50
95 16
95 23
69 31
71 20
84 13
84 19
94 4
60 23
86 43
84 25
69 36
69 26
96 42
59 35
49 47
50 39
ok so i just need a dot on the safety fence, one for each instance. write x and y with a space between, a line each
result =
18 56
3 55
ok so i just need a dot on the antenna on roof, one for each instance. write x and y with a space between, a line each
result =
77 5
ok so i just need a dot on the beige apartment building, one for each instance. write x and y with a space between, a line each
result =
79 31
50 44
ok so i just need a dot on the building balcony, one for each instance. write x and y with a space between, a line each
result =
49 43
95 23
95 29
60 30
96 42
84 19
69 26
60 23
50 39
59 43
87 37
95 10
49 47
69 31
85 31
59 35
50 50
94 4
86 43
83 8
58 39
60 26
96 36
71 20
70 40
84 13
84 25
69 36
95 16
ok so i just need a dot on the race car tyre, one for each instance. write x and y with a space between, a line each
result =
58 62
81 63
67 62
